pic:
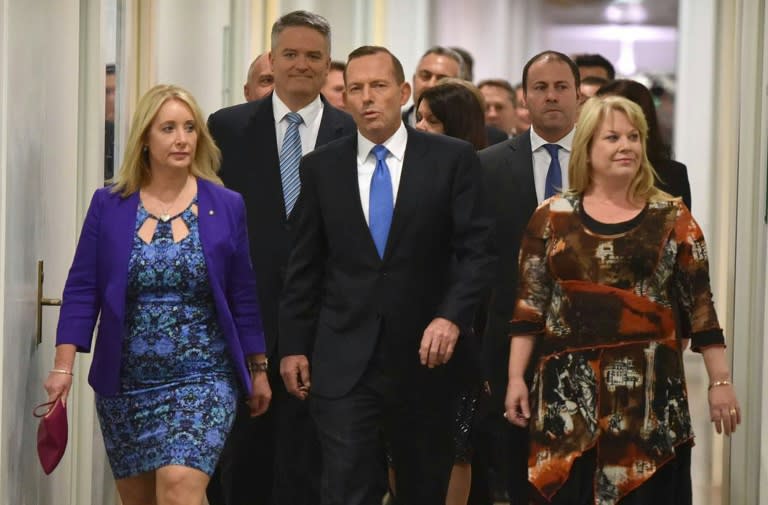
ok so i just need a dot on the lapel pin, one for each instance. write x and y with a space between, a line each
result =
210 212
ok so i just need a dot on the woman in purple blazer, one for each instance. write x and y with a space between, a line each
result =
163 264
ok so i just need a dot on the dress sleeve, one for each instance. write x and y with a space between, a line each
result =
691 282
535 281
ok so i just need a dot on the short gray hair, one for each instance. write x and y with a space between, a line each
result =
302 18
447 51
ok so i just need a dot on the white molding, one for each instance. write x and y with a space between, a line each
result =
3 216
88 481
750 253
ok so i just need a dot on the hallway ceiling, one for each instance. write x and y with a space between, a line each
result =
591 12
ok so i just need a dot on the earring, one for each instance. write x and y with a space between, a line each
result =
145 148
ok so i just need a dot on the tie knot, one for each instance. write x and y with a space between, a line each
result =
380 152
294 118
552 149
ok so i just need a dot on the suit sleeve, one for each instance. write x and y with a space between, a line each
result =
304 275
81 302
471 243
241 288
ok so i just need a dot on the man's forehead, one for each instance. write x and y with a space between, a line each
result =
492 88
438 60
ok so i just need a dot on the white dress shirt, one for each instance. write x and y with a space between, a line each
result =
366 164
312 114
541 160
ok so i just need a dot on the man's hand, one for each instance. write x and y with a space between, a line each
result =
438 342
294 370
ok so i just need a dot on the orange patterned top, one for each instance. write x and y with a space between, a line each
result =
609 371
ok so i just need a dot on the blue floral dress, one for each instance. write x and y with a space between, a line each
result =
178 389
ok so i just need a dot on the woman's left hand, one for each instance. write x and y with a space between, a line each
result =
724 409
261 395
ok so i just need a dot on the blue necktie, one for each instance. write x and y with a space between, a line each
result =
290 155
554 182
381 200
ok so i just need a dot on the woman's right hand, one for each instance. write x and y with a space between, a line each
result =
58 384
516 403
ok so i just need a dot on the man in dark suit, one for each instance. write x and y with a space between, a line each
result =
255 139
519 174
389 263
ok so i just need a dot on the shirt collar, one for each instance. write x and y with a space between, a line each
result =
565 142
308 113
394 144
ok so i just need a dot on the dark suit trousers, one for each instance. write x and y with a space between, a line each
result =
245 470
416 427
273 459
508 454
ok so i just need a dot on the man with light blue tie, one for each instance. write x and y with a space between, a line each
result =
391 258
519 174
261 144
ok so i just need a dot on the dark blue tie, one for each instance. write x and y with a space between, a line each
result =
554 182
381 200
290 155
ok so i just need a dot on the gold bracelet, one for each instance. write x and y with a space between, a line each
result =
62 371
719 383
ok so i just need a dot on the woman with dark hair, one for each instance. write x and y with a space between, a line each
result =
453 107
672 175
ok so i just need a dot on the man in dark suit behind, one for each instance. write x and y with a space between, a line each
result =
251 137
384 299
517 175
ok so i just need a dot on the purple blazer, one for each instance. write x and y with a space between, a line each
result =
98 279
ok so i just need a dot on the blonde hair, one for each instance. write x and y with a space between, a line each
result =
135 171
593 113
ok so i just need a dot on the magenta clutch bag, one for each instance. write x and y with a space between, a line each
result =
51 433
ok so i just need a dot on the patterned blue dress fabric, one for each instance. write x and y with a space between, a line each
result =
178 390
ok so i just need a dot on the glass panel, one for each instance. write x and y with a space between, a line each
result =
109 50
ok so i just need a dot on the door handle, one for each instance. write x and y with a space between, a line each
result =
41 302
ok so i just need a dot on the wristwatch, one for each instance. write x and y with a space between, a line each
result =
258 366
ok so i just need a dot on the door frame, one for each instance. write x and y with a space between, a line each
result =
84 459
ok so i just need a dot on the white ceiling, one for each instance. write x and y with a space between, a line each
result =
591 12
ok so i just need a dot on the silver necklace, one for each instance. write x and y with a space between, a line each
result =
166 215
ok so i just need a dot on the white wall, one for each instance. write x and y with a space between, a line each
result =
501 35
190 49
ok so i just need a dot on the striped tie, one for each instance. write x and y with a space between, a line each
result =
290 155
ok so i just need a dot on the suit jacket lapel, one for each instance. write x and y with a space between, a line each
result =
331 126
209 223
264 154
412 183
122 228
349 185
522 162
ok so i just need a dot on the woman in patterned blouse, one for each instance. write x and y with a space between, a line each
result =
600 267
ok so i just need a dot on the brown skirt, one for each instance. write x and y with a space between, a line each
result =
670 485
